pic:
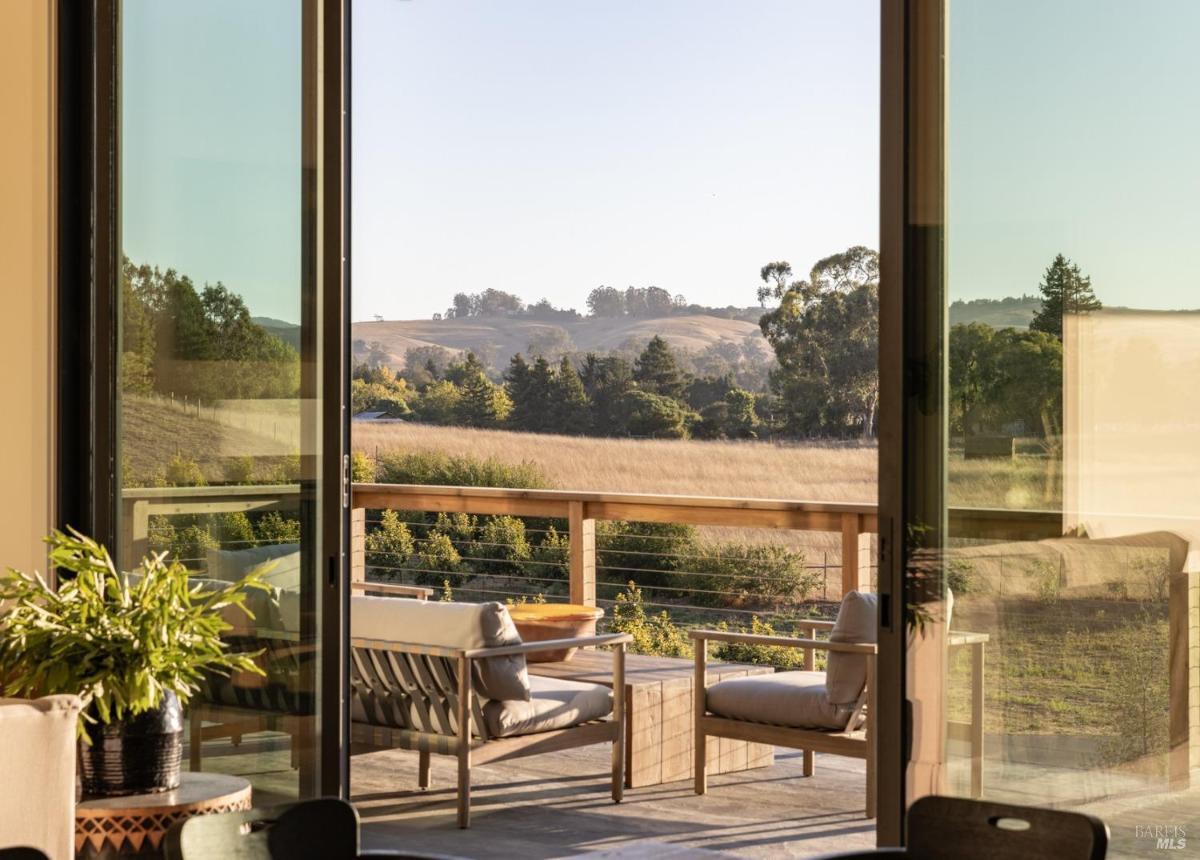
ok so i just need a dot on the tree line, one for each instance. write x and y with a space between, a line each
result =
200 343
603 395
602 302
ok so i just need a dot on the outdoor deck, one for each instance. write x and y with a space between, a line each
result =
558 805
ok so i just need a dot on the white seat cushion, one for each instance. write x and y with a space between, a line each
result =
553 704
449 625
795 699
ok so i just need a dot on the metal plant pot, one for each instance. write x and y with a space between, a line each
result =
138 755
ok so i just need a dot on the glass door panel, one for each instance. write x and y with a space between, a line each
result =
1052 642
222 445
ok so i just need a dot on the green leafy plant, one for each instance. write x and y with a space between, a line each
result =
119 641
657 635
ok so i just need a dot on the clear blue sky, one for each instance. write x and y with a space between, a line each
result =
210 135
547 147
1073 128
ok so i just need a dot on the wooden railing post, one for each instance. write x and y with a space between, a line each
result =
358 545
582 555
1183 631
856 555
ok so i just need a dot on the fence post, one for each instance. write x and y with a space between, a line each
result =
137 544
856 555
358 545
1183 625
582 531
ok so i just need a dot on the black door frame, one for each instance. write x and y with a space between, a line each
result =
88 260
912 332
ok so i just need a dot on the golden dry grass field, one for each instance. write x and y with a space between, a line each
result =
810 471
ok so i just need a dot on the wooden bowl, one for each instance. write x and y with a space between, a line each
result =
537 622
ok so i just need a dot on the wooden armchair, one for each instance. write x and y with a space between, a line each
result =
828 712
466 702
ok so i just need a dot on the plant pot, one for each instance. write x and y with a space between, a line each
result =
537 622
137 755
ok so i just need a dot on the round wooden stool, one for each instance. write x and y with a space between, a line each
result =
134 825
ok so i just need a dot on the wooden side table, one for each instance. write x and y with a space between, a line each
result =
134 826
659 714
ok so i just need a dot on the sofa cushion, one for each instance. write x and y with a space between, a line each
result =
795 699
449 625
554 703
857 621
278 610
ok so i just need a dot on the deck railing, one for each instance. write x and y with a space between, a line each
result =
853 523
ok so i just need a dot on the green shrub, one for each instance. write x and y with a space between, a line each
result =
362 468
652 634
239 470
553 555
184 472
429 467
749 575
766 655
436 556
502 547
653 550
389 545
287 470
234 529
191 545
274 527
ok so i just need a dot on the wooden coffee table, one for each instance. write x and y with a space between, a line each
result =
134 825
660 716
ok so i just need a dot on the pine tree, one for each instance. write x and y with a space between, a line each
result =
482 403
1066 291
518 382
606 380
569 406
541 395
656 371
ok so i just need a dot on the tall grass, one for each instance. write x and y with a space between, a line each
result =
820 471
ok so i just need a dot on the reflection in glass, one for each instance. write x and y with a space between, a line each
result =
218 452
1059 662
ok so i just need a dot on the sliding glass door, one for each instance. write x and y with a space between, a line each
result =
228 431
1049 348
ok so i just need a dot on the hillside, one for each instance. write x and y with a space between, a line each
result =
1011 312
501 337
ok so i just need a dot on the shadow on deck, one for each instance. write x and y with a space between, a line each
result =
558 805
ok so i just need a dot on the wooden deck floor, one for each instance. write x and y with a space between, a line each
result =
557 805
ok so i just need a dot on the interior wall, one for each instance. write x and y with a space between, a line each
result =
1132 442
26 275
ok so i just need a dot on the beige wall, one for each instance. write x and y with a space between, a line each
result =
25 281
1132 430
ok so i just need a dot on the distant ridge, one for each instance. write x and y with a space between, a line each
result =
285 331
499 338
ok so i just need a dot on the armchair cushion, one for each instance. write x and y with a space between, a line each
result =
37 773
795 699
857 621
554 703
449 625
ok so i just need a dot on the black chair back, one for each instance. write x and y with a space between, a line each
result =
942 828
21 852
951 828
322 829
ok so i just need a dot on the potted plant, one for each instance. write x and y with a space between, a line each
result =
135 647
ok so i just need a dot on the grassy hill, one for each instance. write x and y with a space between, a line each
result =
501 337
